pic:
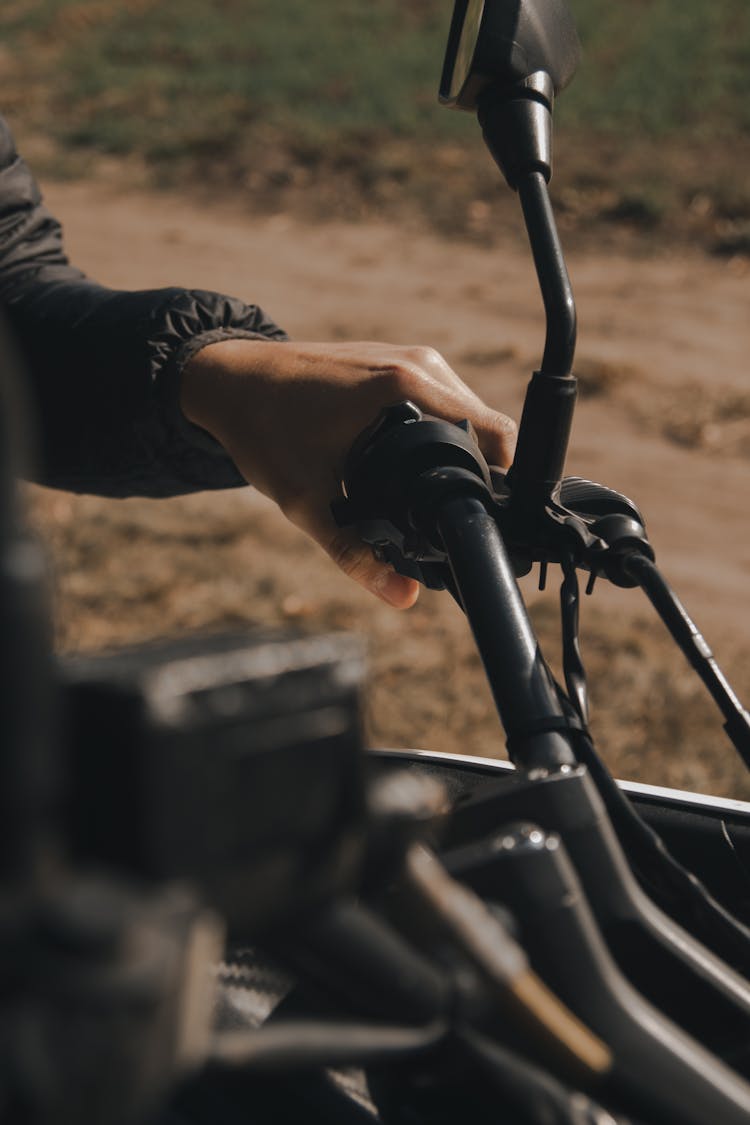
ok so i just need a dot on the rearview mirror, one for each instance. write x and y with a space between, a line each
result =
504 42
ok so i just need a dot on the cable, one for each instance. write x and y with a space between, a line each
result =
680 892
575 674
695 648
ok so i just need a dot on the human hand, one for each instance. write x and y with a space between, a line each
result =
288 413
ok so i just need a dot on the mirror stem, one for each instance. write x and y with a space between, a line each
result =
547 417
557 292
517 128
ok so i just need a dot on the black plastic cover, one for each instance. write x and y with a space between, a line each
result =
233 762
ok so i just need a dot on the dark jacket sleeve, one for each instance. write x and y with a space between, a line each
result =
104 365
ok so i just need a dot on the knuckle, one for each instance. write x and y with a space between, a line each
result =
507 426
424 356
401 379
501 439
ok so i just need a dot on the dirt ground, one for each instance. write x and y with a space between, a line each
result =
664 417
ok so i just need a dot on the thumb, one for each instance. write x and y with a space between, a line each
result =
351 555
358 562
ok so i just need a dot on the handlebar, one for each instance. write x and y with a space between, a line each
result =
418 489
420 492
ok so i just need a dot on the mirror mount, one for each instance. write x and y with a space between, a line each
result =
516 124
516 121
506 42
507 60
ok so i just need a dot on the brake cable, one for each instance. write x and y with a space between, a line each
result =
695 648
687 898
573 669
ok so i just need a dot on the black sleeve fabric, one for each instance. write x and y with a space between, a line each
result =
104 365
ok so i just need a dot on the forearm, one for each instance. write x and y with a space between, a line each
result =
104 367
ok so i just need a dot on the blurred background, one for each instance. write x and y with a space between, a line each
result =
294 154
332 106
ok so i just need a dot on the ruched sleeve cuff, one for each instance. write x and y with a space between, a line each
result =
105 368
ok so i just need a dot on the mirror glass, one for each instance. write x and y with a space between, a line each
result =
504 42
467 16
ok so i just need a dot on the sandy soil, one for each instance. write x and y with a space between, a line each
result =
665 418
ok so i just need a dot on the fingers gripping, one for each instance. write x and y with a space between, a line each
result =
356 560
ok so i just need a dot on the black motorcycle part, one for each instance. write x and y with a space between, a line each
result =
520 680
658 1070
233 762
664 962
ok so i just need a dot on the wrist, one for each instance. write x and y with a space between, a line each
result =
210 378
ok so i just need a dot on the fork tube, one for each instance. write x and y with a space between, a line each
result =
521 683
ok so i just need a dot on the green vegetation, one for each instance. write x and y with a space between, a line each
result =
159 76
243 89
663 66
205 75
